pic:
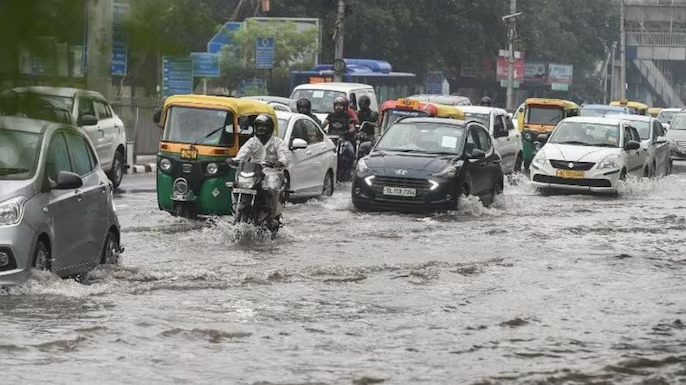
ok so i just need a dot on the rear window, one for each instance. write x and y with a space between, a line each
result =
322 100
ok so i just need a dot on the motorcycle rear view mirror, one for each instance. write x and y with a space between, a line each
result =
365 148
298 144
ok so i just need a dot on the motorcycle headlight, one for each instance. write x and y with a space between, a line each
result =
11 211
539 159
362 166
165 164
246 181
610 161
212 168
450 171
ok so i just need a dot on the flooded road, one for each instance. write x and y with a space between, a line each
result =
538 289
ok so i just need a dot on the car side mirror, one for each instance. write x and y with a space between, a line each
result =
502 133
632 145
66 181
157 117
542 138
87 120
298 144
477 154
662 140
365 148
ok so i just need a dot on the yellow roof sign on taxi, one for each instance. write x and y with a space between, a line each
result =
411 103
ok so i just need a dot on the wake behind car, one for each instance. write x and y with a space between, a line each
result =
654 142
94 114
57 211
428 163
588 154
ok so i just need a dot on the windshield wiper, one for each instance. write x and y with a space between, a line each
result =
604 145
402 150
207 136
573 142
441 153
12 170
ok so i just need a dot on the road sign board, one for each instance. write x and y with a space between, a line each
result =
177 75
205 65
434 82
223 37
119 61
264 56
119 13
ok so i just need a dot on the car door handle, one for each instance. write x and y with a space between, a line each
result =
324 146
308 152
103 188
79 195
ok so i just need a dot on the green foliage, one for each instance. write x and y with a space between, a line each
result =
293 49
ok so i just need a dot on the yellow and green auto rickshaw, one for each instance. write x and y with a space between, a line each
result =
636 108
540 117
654 111
199 133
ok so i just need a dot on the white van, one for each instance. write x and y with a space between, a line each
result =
321 95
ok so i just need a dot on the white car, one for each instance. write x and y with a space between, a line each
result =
322 95
506 138
588 154
312 171
667 115
654 141
94 115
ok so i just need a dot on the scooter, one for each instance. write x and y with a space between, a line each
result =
250 200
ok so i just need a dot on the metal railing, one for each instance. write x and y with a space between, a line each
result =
656 39
653 3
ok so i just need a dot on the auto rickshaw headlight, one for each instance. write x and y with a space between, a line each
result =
165 164
212 168
180 187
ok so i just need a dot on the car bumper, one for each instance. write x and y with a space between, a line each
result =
679 154
366 197
593 180
17 241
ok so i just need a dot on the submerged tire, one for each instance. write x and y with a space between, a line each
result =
42 257
328 188
110 253
116 174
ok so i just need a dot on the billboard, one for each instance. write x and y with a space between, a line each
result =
502 72
534 73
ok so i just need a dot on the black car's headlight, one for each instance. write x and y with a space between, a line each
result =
362 166
451 170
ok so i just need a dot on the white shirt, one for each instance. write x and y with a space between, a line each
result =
274 150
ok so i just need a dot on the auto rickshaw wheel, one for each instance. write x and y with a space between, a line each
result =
185 210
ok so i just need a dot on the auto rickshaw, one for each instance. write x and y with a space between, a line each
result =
636 108
540 117
392 110
199 133
654 111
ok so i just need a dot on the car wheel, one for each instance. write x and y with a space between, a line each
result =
669 168
41 257
622 175
646 172
110 253
116 174
328 184
518 163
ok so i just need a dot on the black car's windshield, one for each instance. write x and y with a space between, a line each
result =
484 119
432 138
392 115
666 116
192 124
678 123
544 115
586 134
322 100
19 152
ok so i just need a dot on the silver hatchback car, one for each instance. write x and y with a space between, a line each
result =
57 208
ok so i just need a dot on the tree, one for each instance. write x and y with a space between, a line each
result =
293 50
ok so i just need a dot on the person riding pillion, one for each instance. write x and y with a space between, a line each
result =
365 114
304 107
340 123
265 147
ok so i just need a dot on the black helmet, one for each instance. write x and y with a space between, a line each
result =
364 102
264 125
303 104
485 101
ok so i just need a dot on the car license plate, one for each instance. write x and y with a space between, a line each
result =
570 174
189 153
399 191
244 191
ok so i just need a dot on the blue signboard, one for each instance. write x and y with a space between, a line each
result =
223 37
177 75
205 65
264 57
434 83
119 61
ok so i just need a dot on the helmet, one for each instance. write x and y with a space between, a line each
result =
485 101
364 102
303 104
264 125
340 101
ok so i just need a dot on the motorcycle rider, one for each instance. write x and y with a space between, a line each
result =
304 107
265 147
342 124
365 114
485 101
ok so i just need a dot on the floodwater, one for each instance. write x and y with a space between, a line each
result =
553 289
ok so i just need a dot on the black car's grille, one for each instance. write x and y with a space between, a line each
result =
564 164
572 182
420 185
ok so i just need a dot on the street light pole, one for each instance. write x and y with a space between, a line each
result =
511 56
339 37
622 51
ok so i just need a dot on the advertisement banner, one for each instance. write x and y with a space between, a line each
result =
501 69
534 73
560 74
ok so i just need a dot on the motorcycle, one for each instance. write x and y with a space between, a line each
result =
345 161
251 201
365 139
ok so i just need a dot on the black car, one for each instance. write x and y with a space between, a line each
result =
428 163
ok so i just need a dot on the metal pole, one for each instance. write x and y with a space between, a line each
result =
511 58
339 36
204 86
612 71
605 75
99 41
622 51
